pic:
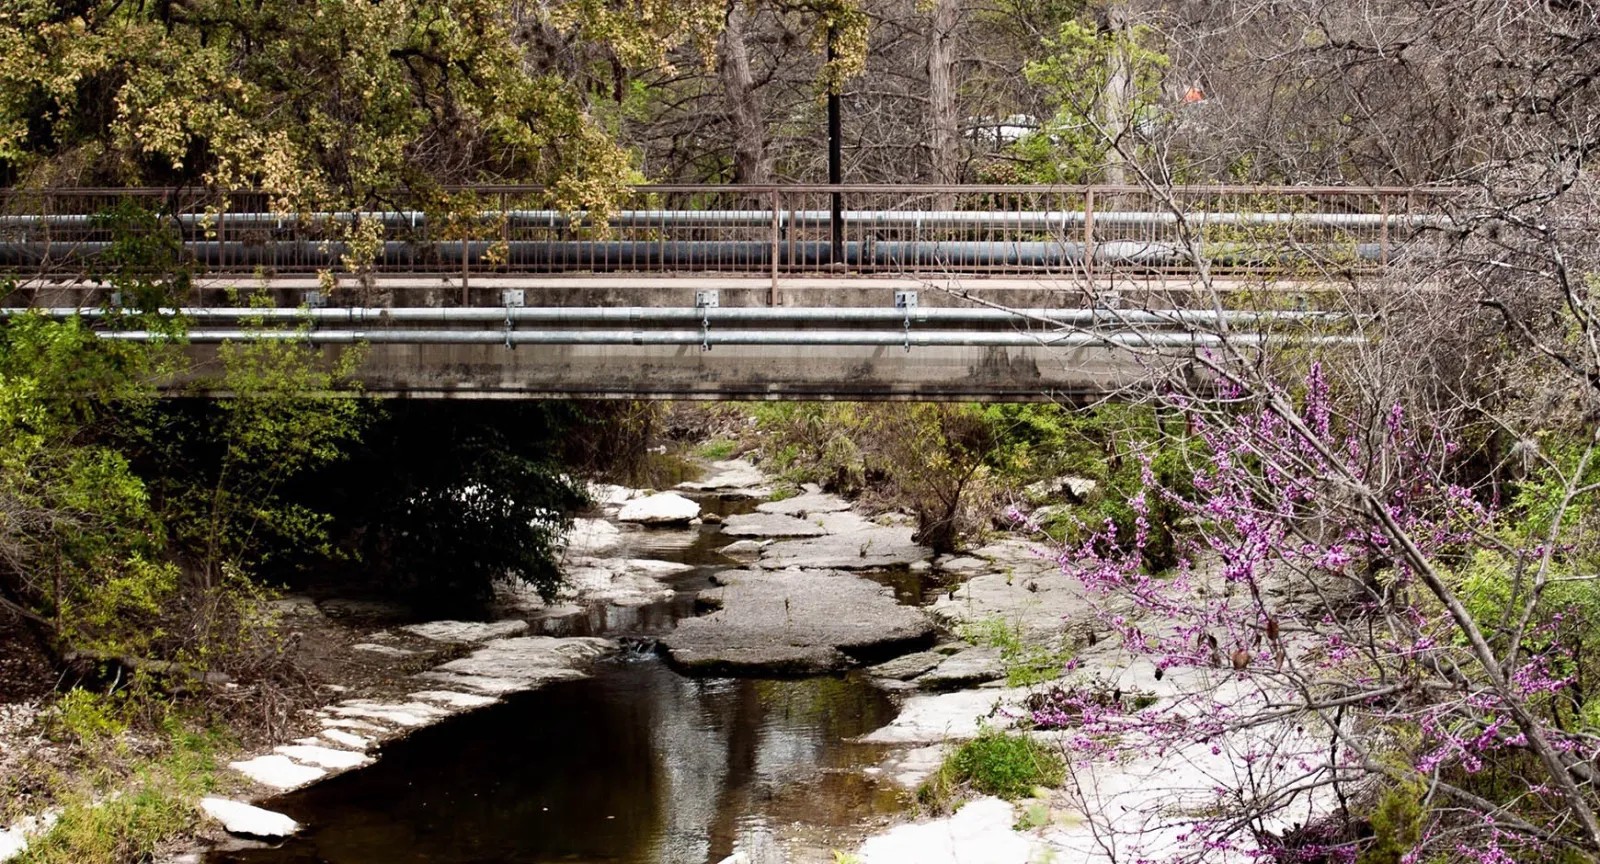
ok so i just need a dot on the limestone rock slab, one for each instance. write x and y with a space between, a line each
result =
794 622
872 549
770 525
804 505
467 631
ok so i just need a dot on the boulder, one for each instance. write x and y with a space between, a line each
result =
1073 490
742 550
770 525
794 622
592 537
666 508
241 818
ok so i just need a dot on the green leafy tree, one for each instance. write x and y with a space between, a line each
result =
1074 144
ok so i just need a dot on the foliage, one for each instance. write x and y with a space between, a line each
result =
440 504
1272 507
994 763
1397 822
1072 146
79 544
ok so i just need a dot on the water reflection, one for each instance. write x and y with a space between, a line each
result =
636 765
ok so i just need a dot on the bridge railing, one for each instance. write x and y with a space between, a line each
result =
787 230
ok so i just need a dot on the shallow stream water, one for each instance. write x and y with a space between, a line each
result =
635 765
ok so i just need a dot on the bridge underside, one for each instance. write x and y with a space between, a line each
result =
734 372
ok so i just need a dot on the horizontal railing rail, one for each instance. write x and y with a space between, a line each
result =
771 231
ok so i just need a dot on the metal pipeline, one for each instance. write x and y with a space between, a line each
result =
712 255
648 315
1026 220
861 338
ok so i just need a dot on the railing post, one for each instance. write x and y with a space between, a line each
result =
772 290
1383 230
1088 235
465 297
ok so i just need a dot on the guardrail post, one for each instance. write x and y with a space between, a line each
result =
465 298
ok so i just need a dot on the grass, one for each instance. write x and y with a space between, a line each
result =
717 450
129 808
1025 663
994 763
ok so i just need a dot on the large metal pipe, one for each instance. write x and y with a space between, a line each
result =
642 315
898 220
624 255
861 338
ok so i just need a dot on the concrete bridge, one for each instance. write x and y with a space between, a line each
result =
728 292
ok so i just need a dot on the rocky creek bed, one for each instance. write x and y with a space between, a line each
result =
726 678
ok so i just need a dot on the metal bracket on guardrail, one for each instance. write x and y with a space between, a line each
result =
513 299
907 301
705 301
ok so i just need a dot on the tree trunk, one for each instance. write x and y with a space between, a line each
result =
943 127
1118 94
744 110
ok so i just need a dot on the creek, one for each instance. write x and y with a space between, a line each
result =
633 765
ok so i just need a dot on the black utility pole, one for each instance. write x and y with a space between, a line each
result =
835 157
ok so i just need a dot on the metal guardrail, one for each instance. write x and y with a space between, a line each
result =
775 231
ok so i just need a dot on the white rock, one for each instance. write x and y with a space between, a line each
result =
14 841
241 818
610 494
592 537
735 475
385 650
277 771
362 725
736 858
665 508
453 699
948 716
979 833
411 714
323 757
347 739
467 631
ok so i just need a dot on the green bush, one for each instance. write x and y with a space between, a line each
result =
994 763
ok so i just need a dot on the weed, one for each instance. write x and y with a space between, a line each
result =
994 763
717 450
87 717
1025 663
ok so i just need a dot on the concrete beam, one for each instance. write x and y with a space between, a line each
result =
1008 374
